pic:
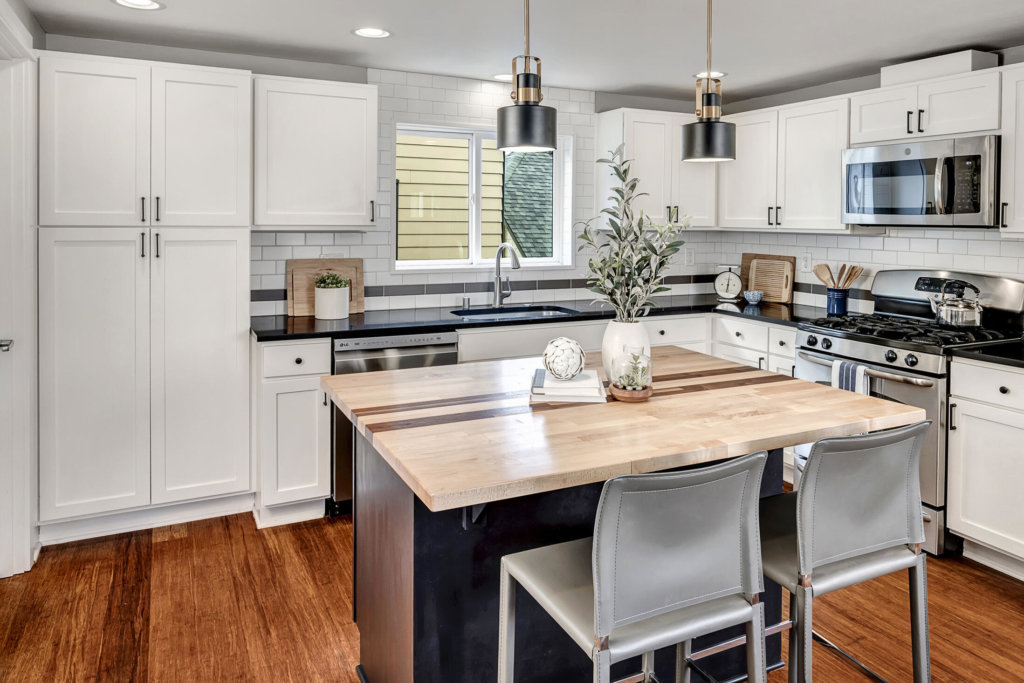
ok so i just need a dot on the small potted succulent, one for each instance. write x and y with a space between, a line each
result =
631 376
330 296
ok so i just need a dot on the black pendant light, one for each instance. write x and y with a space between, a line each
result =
526 125
709 138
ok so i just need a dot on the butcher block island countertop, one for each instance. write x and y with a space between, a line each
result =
462 435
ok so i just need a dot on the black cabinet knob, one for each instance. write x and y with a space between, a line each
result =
782 343
738 334
661 332
1004 390
298 361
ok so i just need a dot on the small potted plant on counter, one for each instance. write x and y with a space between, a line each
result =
330 296
628 264
631 379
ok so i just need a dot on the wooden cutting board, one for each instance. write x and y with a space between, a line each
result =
748 259
774 278
300 274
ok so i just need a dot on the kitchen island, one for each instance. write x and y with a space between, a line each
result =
456 468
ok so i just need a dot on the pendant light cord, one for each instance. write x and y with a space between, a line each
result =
526 32
707 74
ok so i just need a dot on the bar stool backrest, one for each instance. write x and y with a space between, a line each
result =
860 494
667 541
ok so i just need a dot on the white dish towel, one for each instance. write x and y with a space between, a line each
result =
848 376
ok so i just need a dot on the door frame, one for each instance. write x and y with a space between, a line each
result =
19 537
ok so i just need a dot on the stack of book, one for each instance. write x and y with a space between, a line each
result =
585 387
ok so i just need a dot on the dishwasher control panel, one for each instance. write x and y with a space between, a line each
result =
395 341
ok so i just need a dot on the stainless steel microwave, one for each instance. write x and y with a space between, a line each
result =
950 182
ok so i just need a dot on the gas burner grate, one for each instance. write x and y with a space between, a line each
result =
891 328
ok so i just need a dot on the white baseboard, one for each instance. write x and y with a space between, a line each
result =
289 513
787 472
990 557
52 533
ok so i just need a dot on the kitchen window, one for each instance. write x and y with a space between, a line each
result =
459 197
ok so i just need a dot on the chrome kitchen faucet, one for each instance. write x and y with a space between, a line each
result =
501 293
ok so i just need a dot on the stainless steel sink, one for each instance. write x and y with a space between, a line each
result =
514 312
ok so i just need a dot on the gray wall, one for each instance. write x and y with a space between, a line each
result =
23 13
270 66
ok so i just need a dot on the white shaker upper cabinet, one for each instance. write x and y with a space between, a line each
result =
316 153
94 123
811 142
1012 177
886 114
959 105
202 140
694 183
200 362
746 186
648 137
93 370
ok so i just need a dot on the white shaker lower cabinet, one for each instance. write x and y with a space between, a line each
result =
200 362
986 461
143 367
93 371
292 426
316 152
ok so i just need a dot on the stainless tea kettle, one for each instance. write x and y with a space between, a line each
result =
958 311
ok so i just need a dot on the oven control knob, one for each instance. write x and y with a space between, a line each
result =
826 343
910 360
812 340
890 356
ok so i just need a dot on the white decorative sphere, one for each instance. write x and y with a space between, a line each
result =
564 358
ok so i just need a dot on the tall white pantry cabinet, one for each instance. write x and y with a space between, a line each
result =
145 209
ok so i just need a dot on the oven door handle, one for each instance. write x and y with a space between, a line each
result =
877 374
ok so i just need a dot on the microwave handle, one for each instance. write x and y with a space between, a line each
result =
940 185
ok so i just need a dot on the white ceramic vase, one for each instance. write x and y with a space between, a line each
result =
330 303
618 335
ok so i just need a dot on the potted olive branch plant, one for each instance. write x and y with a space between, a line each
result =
628 263
330 296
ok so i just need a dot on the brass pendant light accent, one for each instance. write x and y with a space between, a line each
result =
526 125
709 138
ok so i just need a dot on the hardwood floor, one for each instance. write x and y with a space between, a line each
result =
220 600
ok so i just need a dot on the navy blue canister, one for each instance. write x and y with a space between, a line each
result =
837 298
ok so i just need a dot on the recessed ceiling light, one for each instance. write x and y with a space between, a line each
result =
139 4
503 77
372 32
714 74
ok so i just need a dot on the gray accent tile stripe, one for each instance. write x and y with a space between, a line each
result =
810 288
269 295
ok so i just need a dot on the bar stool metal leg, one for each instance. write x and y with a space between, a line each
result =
507 628
794 639
647 667
919 620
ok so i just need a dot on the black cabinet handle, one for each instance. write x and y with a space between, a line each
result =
675 214
952 407
739 334
373 211
143 209
778 215
157 210
298 361
1002 223
759 361
770 216
156 244
910 131
1004 390
325 398
668 213
920 113
661 332
143 236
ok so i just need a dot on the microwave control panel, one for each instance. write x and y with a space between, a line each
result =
967 184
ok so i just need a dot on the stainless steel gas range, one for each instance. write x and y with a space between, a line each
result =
906 355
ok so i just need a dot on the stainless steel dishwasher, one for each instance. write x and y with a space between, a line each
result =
372 354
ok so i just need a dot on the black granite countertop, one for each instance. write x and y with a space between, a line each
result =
408 321
1007 353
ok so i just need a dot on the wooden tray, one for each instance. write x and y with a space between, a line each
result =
785 297
300 274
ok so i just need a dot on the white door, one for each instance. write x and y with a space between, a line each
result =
202 137
93 142
887 114
693 184
1012 176
959 105
811 142
10 352
93 370
986 467
295 441
746 186
316 152
648 137
200 355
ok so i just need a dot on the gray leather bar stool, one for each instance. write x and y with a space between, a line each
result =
855 517
674 556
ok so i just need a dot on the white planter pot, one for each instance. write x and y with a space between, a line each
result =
330 304
616 336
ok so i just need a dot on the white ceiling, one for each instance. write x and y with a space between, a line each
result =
638 47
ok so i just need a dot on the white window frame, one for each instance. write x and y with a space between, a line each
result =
562 251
